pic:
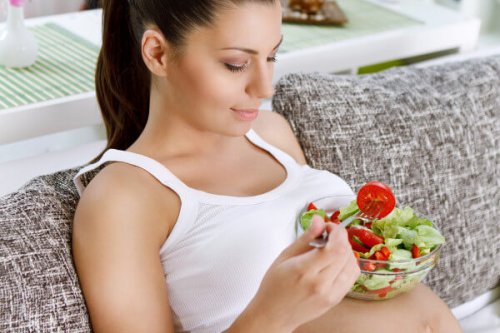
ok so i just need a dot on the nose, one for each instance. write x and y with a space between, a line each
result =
261 83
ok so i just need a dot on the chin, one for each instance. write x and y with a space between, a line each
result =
239 129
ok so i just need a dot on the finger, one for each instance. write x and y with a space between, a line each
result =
344 282
335 253
337 279
317 225
301 244
336 234
351 271
329 227
348 269
339 255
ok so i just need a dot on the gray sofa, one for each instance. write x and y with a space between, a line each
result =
431 133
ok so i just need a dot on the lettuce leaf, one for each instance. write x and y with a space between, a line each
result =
350 210
403 224
305 219
376 281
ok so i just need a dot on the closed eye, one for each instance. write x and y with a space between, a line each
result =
236 68
240 68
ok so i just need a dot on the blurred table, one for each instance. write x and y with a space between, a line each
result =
409 28
378 31
77 107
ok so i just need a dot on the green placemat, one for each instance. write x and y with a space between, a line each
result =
365 18
65 66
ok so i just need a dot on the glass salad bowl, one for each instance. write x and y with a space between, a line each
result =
381 279
389 265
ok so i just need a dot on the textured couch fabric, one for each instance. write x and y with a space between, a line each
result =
39 289
433 135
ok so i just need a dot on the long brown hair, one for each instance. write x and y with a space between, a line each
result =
122 79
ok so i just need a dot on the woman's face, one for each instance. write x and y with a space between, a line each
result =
225 70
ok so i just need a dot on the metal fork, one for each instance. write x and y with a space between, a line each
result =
367 215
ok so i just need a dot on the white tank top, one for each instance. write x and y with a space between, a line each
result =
221 246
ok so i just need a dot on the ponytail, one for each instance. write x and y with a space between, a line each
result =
122 80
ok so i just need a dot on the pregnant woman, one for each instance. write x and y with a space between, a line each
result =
188 225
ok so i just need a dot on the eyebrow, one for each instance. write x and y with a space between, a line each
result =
250 50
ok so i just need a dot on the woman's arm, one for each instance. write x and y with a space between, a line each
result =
302 283
119 227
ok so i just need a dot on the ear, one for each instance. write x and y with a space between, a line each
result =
154 49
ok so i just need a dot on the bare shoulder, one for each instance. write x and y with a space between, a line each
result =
122 192
124 185
123 218
276 130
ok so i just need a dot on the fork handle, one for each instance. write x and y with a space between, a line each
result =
321 241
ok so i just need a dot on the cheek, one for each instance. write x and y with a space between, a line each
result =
212 84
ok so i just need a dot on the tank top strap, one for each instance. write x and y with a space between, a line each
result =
285 159
153 167
186 193
189 203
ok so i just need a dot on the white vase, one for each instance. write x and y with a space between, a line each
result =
18 46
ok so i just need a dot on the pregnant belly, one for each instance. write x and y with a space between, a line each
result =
418 311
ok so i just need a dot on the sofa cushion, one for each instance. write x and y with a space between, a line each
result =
39 289
433 135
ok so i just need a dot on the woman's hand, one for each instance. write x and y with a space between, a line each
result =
302 283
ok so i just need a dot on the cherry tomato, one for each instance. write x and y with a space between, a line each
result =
367 237
379 256
311 206
335 217
376 199
356 246
415 251
367 266
385 250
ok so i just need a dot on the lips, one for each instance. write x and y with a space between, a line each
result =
246 114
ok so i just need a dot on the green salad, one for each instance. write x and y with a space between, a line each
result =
394 252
